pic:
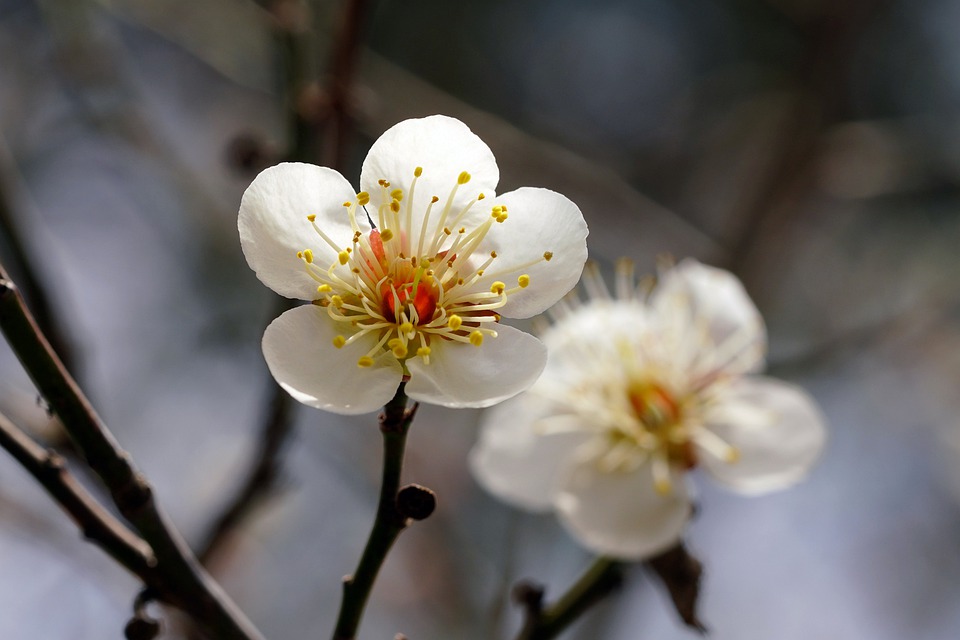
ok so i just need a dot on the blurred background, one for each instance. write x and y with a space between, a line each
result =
811 146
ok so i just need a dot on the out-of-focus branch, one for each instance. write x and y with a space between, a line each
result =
95 522
185 583
314 118
11 229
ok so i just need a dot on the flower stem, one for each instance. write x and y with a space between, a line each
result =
390 519
543 623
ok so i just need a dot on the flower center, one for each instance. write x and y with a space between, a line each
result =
414 279
661 416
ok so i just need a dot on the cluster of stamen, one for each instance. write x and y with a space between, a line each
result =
411 287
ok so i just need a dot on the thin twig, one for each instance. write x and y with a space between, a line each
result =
185 583
95 522
603 577
389 522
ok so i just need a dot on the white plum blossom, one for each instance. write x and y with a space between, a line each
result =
639 388
409 277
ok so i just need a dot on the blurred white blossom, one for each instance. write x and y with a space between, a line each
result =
410 276
640 388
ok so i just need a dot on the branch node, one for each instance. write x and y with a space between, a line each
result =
416 502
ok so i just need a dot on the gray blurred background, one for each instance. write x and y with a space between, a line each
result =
811 146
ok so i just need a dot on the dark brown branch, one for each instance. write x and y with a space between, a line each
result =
95 523
185 583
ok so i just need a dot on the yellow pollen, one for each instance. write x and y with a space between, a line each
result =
423 352
344 257
496 211
386 235
395 206
454 322
397 194
463 178
312 217
418 171
363 198
347 204
339 341
481 197
406 327
365 361
300 254
398 348
523 281
435 199
476 338
502 217
497 287
308 255
336 300
447 231
324 288
462 230
547 255
493 254
663 486
383 183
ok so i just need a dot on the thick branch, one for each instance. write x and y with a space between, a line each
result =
95 522
186 584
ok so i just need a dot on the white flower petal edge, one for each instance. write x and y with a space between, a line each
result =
462 375
519 245
273 225
442 147
318 374
776 428
691 295
523 454
620 514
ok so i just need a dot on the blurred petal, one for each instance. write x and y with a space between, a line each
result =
521 455
620 514
775 427
274 227
538 221
298 347
443 147
462 375
712 318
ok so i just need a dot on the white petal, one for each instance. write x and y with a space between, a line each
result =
519 458
298 347
538 221
711 305
620 514
776 428
443 147
274 227
462 375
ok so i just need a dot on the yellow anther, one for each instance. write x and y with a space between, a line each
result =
383 183
339 341
365 361
454 322
423 352
435 199
418 171
395 206
523 281
348 204
501 217
344 257
497 287
363 198
447 231
336 301
481 197
493 254
308 255
386 235
400 351
459 280
547 255
397 194
406 327
496 211
462 230
312 217
300 254
324 288
463 178
663 486
476 338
